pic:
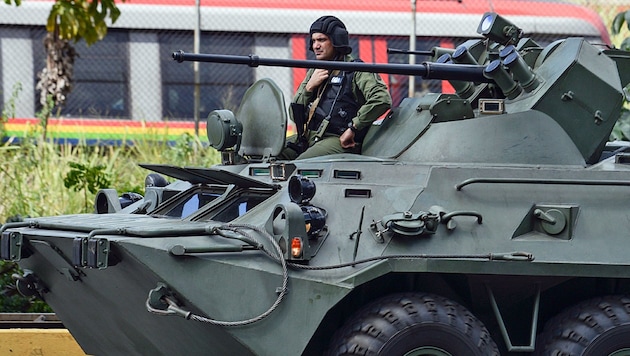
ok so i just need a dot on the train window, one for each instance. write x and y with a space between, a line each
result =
399 84
101 72
222 86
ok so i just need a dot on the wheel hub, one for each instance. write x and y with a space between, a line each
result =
434 351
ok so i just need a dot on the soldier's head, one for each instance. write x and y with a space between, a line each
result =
329 38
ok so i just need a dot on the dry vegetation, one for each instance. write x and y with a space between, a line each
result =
34 175
607 10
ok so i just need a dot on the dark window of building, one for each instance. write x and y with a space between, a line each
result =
100 85
222 86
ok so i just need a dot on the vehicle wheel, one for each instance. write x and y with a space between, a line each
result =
413 324
592 328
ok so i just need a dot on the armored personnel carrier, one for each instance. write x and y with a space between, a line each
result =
487 221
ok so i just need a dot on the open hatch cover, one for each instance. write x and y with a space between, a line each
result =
208 176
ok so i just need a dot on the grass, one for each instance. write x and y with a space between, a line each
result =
34 175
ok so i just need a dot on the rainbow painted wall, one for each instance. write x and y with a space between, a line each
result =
106 132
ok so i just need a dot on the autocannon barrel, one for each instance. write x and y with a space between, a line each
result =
408 51
426 70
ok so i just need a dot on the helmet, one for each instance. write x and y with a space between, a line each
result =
335 30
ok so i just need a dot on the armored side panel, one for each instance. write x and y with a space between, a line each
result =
581 90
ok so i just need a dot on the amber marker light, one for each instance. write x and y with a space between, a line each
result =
296 247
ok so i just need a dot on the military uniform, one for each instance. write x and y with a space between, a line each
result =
347 98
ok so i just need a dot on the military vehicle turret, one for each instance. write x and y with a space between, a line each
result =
487 221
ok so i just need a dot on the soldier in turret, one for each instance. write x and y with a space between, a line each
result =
333 110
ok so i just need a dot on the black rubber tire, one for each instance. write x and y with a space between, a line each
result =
400 323
597 327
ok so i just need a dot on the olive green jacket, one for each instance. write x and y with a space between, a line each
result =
368 88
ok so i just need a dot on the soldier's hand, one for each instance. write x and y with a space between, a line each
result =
347 139
319 76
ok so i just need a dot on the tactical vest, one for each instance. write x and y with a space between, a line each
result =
339 102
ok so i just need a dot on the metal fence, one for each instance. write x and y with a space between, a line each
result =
130 75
